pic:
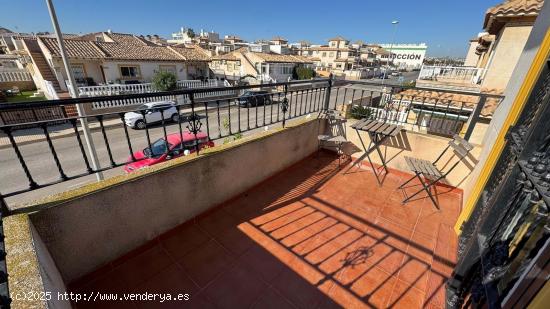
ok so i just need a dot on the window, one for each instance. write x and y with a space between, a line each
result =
286 68
324 54
158 148
331 54
230 66
130 72
78 72
333 44
167 68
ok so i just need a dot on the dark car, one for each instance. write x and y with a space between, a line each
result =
254 98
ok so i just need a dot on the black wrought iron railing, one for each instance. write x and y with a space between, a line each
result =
441 112
117 138
504 246
47 148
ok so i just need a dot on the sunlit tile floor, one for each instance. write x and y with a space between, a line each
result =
314 236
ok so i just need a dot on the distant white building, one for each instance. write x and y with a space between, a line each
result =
181 37
212 37
405 56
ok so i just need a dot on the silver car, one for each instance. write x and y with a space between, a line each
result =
154 112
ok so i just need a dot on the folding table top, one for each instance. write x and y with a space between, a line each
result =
377 127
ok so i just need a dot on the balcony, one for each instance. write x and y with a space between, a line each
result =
313 235
451 78
266 210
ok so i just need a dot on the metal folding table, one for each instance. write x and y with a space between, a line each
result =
378 132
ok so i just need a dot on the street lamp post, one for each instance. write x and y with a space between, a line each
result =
74 93
395 23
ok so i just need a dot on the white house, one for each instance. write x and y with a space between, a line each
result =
263 66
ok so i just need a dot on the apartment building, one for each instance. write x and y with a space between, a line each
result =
337 57
264 66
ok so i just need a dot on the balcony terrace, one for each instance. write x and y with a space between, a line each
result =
265 210
451 78
315 235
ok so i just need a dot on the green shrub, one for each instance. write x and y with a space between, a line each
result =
164 81
301 72
360 112
234 137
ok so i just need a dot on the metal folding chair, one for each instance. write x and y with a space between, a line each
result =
430 172
335 137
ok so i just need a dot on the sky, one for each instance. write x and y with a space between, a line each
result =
444 25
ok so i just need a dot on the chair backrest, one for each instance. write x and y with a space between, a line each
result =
460 146
461 153
335 123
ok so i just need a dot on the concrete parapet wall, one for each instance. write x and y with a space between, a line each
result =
417 145
88 231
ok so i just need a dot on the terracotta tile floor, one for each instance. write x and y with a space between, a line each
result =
313 236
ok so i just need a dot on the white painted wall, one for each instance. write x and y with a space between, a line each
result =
471 56
148 69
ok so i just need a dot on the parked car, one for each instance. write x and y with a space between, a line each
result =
154 113
254 98
160 151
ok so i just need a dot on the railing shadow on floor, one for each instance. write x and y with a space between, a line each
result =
299 190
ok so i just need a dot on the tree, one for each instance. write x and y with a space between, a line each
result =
190 33
301 72
164 81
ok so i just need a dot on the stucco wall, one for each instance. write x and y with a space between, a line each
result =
85 233
30 267
417 145
91 68
51 278
509 46
471 57
147 69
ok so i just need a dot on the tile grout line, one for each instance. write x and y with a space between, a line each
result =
403 258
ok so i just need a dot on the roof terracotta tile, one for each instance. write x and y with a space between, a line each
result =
228 56
279 38
451 99
126 38
192 53
272 57
511 8
138 52
338 38
75 48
